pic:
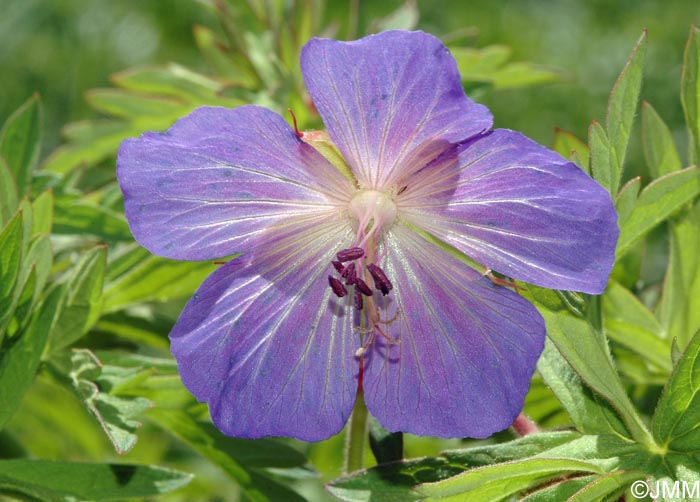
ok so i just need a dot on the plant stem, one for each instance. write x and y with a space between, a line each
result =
355 440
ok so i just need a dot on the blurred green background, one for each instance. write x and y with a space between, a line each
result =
61 48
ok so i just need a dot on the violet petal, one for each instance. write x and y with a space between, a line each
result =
208 186
520 209
466 348
391 102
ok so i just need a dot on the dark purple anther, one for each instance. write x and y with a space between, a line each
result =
337 287
350 254
381 281
363 287
339 267
349 274
358 300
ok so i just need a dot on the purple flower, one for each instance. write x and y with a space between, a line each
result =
359 277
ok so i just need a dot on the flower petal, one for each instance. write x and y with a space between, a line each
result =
266 343
520 209
216 179
467 348
391 102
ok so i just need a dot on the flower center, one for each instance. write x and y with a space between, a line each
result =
372 212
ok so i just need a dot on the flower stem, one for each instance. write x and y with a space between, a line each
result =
355 439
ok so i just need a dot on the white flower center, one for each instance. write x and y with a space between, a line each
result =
375 207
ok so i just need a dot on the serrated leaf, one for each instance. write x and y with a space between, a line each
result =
82 299
622 105
73 216
394 482
70 481
558 490
10 259
20 356
659 149
589 413
569 146
152 278
93 383
690 92
659 200
496 482
603 167
8 193
605 486
588 354
629 323
679 309
675 421
255 486
20 140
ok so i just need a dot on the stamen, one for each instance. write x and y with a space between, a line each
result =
381 281
296 129
339 267
362 287
358 300
350 254
337 287
349 274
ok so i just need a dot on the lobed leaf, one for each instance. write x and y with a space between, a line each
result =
675 421
69 481
659 149
659 200
496 482
93 383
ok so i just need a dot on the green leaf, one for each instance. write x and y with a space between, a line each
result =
42 208
675 421
659 149
20 356
123 104
403 18
255 486
690 92
602 165
10 256
8 193
588 354
679 310
73 216
659 200
606 486
558 490
627 199
68 481
622 105
90 380
394 482
82 299
629 323
386 446
496 482
572 148
20 140
589 413
152 278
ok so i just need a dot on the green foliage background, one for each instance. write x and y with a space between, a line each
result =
85 373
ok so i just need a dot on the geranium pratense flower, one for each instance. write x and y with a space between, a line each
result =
359 277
